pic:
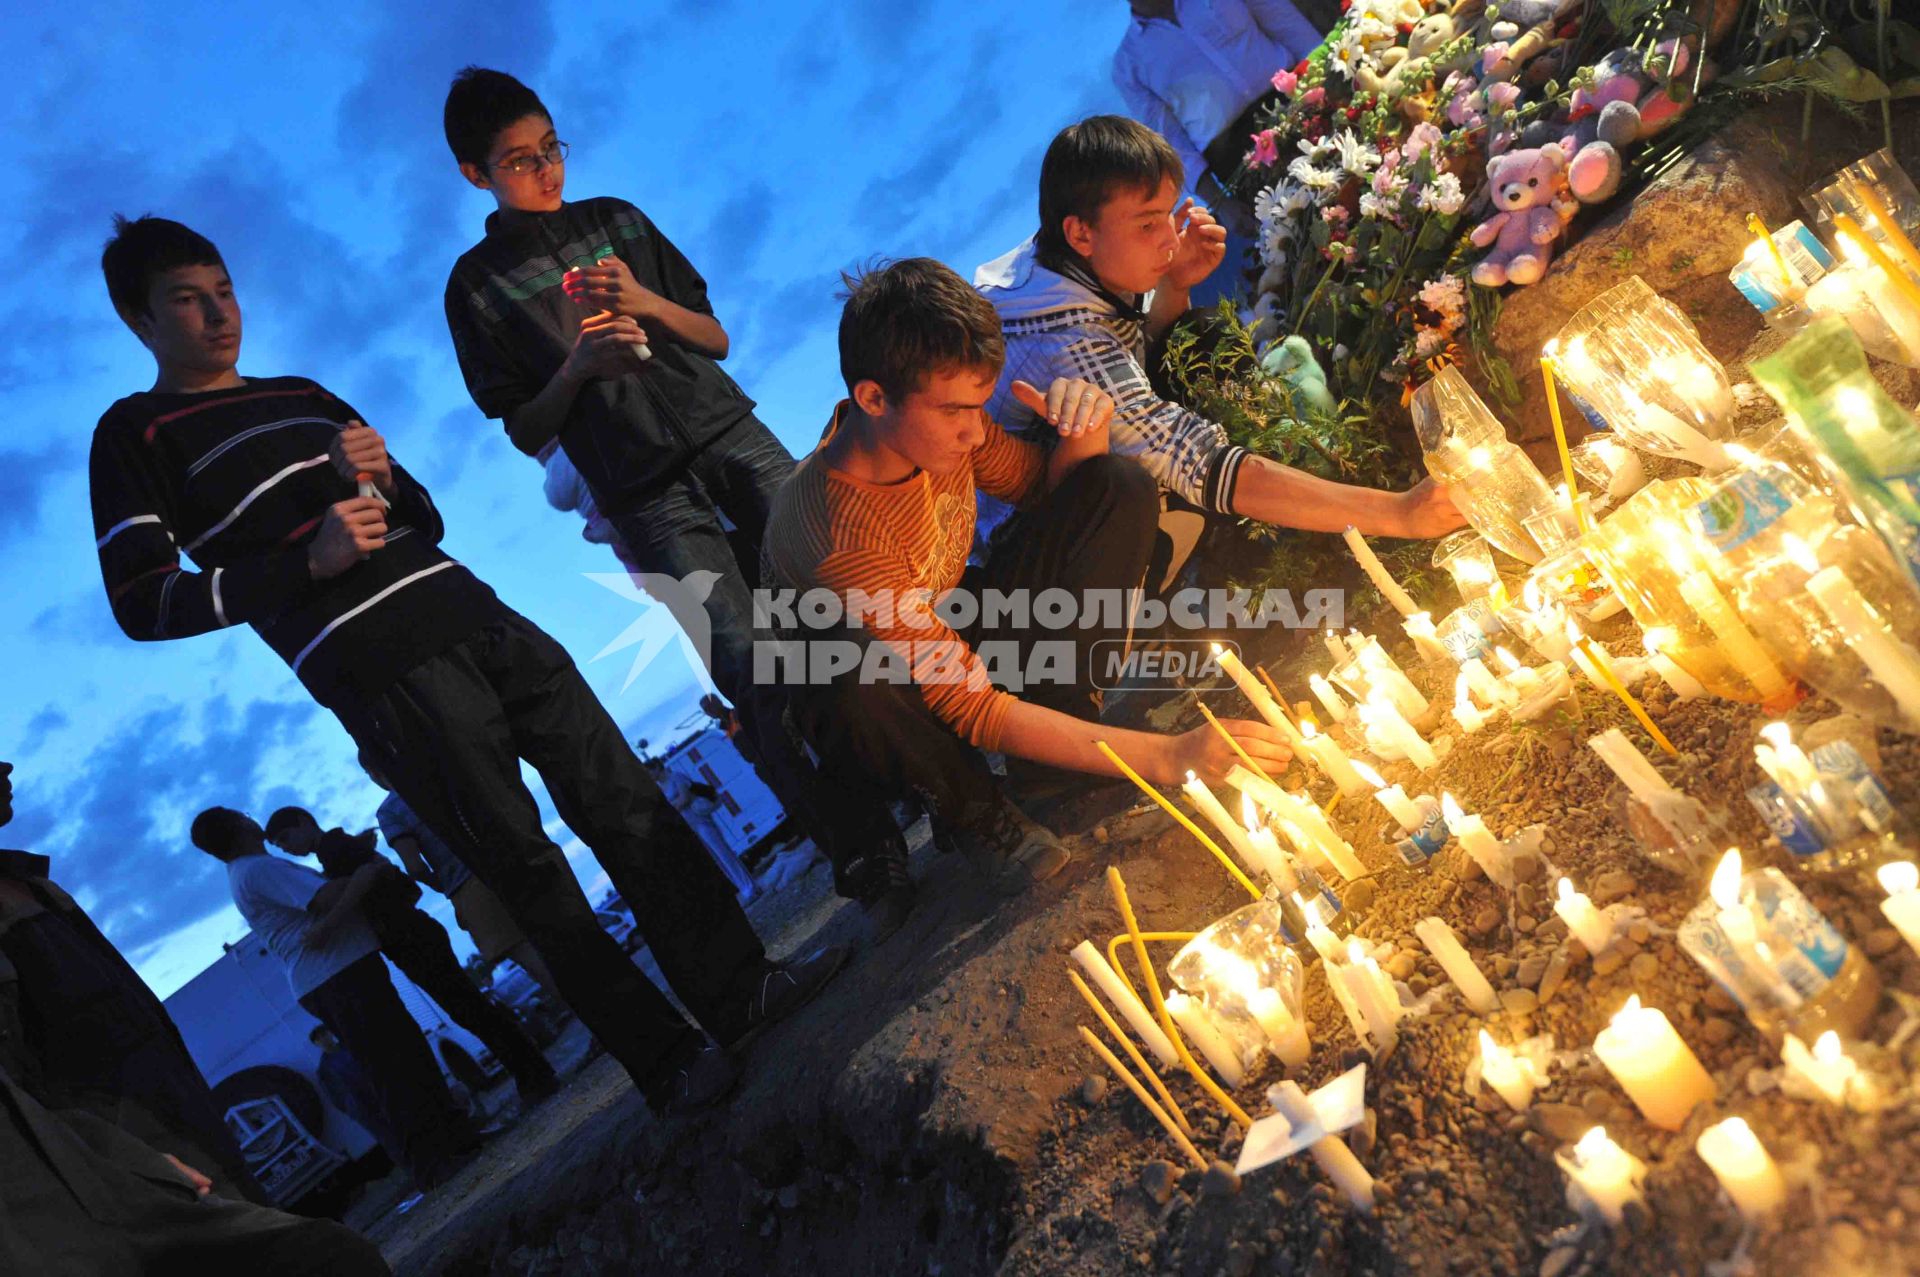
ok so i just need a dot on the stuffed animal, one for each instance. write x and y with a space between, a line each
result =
1628 103
1527 189
1292 361
1389 77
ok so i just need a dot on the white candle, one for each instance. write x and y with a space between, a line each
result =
1329 699
1330 1152
1601 1176
1331 759
1268 858
1377 572
1395 733
1250 687
1737 643
1321 937
1900 878
1631 766
1373 993
1490 691
1337 648
1511 1077
1683 684
1887 658
1901 317
1737 923
1470 719
1522 681
1588 924
1131 1009
1202 798
1426 640
1329 845
1653 1066
1286 1033
1196 1025
1477 841
1743 1167
1405 812
1458 964
1827 1067
1794 769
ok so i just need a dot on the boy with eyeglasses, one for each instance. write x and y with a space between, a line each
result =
579 321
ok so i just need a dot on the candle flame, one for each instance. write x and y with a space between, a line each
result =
1574 636
1308 729
1356 954
1369 775
1218 651
1826 1048
1630 1010
1565 890
1507 659
1249 814
1853 403
1799 553
1532 597
1899 877
1451 810
1849 247
1657 637
1311 910
1778 734
1491 1052
1740 1134
1725 887
1191 778
1594 1143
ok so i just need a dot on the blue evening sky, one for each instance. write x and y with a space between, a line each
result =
776 144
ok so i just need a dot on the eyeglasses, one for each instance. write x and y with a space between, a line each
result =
522 165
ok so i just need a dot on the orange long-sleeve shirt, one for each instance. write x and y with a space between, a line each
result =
908 541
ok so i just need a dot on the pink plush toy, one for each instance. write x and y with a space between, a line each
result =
1527 189
1628 103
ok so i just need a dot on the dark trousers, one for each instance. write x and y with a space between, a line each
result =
678 533
419 947
451 733
1093 533
361 1007
79 1195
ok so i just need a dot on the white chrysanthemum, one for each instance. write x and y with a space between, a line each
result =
1356 157
1372 205
1274 239
1294 197
1315 148
1443 195
1303 171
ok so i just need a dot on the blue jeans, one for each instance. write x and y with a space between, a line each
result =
678 533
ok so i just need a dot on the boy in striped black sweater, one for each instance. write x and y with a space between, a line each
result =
302 527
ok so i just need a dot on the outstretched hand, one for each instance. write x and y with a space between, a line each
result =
1203 752
1201 247
1427 510
1071 406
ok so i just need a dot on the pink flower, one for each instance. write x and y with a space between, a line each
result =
1422 136
1286 82
1314 96
1266 151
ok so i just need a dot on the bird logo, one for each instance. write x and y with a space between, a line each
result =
685 599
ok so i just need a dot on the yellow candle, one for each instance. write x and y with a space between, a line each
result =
1789 282
1560 435
1743 1167
1849 233
1594 664
1659 1073
1882 217
1133 1052
1133 1084
1225 860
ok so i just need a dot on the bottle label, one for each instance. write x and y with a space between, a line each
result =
1423 844
1743 508
1841 769
1785 819
1810 951
1469 629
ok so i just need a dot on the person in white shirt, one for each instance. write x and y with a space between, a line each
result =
335 970
1194 70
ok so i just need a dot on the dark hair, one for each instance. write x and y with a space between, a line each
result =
279 822
1086 163
144 247
908 318
479 104
213 830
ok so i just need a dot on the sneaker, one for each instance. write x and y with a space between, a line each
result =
1002 844
785 989
706 1078
888 896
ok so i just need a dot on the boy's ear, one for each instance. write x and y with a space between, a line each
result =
475 174
1078 233
138 324
869 398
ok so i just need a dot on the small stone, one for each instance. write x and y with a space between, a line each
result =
1486 922
1093 1090
1100 834
1530 969
1609 962
1719 999
1220 1181
1156 1180
1556 974
1846 1240
1716 1030
1614 884
1519 1001
1400 965
1562 1122
1644 967
1240 1260
1640 931
1596 1102
1881 941
1909 1198
1527 868
1360 895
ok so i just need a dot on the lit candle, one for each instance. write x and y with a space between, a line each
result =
1325 841
1405 812
1331 759
1684 685
1602 1177
1490 691
1559 429
1268 859
1385 677
1523 681
1286 1033
1131 1009
1337 648
1470 719
1737 643
1330 1152
1895 296
1591 658
1320 936
1373 993
1257 695
1426 640
1662 1077
1902 905
1477 841
1511 1077
1377 572
1743 1167
1329 699
1887 658
1203 800
1458 964
1389 733
1741 929
1196 1025
1591 927
1786 760
1827 1068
